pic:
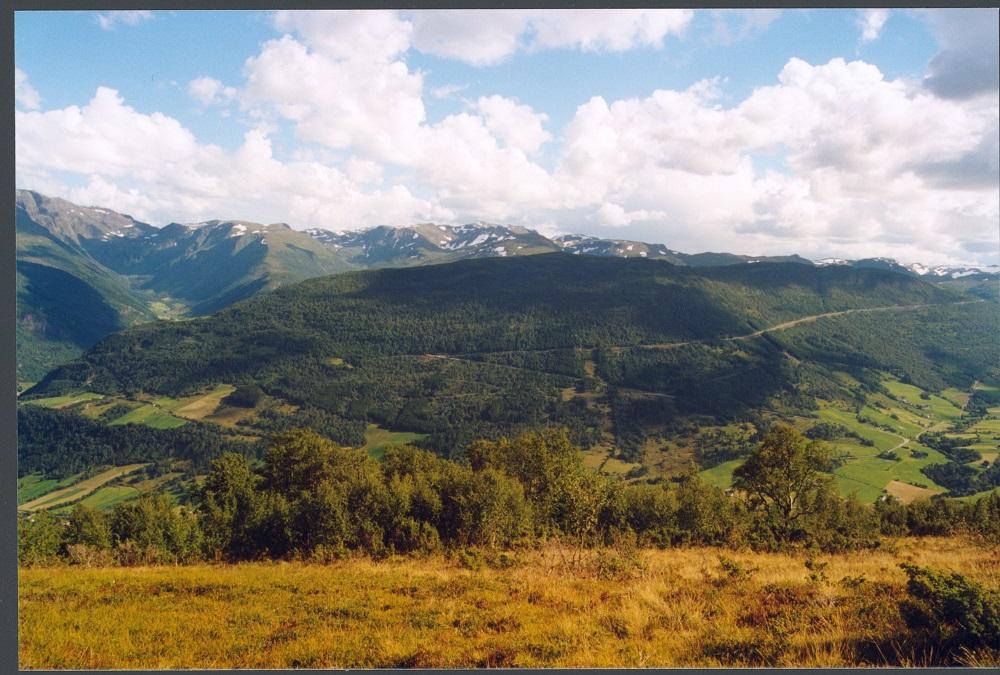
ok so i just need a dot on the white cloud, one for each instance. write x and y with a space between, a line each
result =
209 91
374 106
475 163
517 125
871 22
109 20
868 160
480 37
612 30
358 35
152 167
24 93
484 37
868 165
447 90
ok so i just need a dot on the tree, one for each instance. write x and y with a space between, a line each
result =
782 481
39 537
89 527
229 508
152 525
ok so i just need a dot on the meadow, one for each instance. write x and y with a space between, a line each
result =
548 607
73 491
892 422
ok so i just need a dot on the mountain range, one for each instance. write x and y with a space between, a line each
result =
84 272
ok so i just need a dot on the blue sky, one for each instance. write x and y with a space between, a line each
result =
348 120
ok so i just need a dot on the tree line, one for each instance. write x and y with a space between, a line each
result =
311 498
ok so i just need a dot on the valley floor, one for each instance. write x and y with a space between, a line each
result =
551 607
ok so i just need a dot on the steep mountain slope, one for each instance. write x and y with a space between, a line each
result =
488 346
67 300
212 265
85 272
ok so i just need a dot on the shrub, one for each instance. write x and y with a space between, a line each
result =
949 612
39 538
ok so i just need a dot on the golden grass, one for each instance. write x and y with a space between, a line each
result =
680 609
79 490
907 493
205 405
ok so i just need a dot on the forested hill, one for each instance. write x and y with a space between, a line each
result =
530 303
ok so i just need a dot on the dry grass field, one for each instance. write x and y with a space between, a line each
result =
551 607
907 493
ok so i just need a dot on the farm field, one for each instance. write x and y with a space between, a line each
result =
201 406
908 415
667 608
378 439
33 486
60 402
109 496
151 416
599 459
721 476
75 491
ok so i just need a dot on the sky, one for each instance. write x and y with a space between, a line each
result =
828 133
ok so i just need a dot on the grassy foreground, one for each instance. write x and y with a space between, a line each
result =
552 607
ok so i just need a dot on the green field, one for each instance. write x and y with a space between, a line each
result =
34 486
935 406
721 476
378 439
151 416
905 423
863 472
59 402
883 440
74 490
105 497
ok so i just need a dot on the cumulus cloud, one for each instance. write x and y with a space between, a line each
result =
483 37
24 94
209 91
175 177
873 165
375 106
361 35
517 125
861 165
612 30
109 20
968 64
871 22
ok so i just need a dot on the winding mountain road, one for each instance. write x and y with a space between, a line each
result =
749 336
790 324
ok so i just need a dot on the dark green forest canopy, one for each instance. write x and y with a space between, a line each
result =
477 348
531 303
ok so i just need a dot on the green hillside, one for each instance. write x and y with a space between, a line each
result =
482 347
85 272
66 300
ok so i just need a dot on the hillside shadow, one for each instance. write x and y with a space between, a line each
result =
590 299
63 307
